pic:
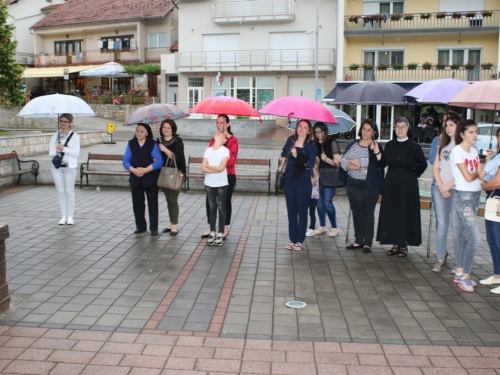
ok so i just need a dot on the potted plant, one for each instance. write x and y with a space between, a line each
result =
486 65
354 18
487 13
470 14
440 65
408 16
455 65
382 67
426 65
456 15
470 66
425 16
440 14
396 16
412 65
397 66
354 66
367 66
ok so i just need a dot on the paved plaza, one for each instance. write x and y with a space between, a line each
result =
94 298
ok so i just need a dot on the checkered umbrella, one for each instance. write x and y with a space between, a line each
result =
155 114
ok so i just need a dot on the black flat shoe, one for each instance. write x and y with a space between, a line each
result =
367 250
353 247
172 233
166 230
139 231
205 235
154 233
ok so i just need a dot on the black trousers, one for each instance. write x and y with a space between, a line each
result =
362 202
139 206
217 202
231 179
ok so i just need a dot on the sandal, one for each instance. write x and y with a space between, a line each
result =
367 250
395 250
290 246
403 252
297 247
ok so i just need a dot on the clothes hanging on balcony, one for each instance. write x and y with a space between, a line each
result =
100 44
111 44
105 44
132 43
117 44
126 44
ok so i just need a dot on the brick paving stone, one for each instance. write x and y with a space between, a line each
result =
70 356
67 369
372 359
29 367
327 369
189 352
337 358
399 360
105 370
122 348
10 353
144 371
477 362
279 368
217 365
255 367
107 359
147 361
372 370
406 370
443 371
180 363
264 355
228 353
361 348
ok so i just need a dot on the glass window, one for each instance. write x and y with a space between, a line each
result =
384 57
243 82
195 82
458 57
475 56
385 7
158 40
397 57
398 7
265 81
444 57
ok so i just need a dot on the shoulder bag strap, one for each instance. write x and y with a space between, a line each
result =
67 140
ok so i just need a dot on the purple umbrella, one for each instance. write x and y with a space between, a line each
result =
437 90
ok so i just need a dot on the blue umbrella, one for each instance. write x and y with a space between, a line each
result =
345 121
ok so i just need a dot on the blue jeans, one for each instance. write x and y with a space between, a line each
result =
493 238
464 223
325 206
312 213
443 209
296 191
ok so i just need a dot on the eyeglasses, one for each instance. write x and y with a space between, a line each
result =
67 122
318 131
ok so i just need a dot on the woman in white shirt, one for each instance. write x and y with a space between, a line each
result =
466 168
65 176
216 185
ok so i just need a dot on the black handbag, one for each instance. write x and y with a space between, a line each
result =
57 160
279 184
330 178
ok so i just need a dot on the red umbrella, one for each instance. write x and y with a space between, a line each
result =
299 108
224 104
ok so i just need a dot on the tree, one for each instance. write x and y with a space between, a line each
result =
10 71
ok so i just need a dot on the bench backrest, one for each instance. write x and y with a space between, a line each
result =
105 157
12 155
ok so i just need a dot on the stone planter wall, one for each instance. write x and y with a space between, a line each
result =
115 112
4 287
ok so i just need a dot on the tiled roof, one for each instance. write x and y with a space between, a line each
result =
91 11
49 7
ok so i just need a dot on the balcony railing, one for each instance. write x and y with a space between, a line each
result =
260 59
91 56
26 59
421 22
419 74
255 10
154 54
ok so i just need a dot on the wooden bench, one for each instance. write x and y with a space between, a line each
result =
86 169
239 176
19 172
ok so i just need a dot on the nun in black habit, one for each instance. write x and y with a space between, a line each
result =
399 220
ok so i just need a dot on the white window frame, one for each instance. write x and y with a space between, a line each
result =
377 50
157 35
466 49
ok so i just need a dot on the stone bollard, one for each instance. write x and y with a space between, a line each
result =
4 287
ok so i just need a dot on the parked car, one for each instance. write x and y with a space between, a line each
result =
484 137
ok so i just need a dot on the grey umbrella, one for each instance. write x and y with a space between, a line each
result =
366 93
345 122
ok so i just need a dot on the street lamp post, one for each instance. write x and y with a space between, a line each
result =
316 52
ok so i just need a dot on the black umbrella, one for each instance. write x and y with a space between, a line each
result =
366 93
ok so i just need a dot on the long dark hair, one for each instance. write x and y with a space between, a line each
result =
226 119
309 136
445 139
462 127
322 126
498 143
172 124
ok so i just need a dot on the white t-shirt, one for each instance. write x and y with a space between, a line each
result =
471 160
214 157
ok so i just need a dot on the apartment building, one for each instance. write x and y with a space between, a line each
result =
409 42
79 34
252 50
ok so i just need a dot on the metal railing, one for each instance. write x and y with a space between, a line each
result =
278 59
431 21
23 58
420 74
255 10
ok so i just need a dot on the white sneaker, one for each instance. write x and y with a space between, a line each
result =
320 230
495 290
70 220
490 281
62 221
310 233
334 232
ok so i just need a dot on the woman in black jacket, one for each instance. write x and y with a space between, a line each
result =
172 148
365 182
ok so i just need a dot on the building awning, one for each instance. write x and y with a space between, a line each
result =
341 86
54 71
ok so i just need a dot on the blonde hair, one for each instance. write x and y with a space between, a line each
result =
316 163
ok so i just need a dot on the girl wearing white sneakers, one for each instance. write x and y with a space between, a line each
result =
67 144
491 185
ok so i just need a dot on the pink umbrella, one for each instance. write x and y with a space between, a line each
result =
299 108
224 105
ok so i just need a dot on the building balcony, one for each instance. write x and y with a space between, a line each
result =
422 22
153 55
300 59
25 59
239 11
420 74
90 56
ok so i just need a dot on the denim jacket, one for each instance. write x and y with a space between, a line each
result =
309 150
